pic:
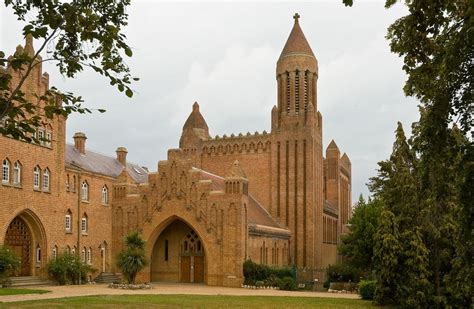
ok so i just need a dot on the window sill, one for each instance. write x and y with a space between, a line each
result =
106 205
85 201
68 232
6 184
18 186
37 190
85 234
47 191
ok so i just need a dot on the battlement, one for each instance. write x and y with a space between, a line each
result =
248 143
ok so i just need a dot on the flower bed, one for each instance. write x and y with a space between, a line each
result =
125 286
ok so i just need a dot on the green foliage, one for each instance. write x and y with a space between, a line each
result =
75 35
133 258
287 284
358 245
342 272
269 276
367 289
67 268
9 262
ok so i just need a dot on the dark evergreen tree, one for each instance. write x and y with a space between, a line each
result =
358 246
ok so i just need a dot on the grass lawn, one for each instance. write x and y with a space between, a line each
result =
15 291
191 301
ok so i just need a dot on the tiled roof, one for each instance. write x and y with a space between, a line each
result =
104 165
296 43
257 215
195 119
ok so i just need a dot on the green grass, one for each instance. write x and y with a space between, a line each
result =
15 291
192 301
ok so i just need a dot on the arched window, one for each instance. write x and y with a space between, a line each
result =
38 253
6 171
17 173
84 254
67 182
46 180
68 221
84 224
89 256
105 195
49 137
68 249
36 177
55 252
74 249
85 191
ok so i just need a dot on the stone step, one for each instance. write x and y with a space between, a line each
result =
107 278
28 281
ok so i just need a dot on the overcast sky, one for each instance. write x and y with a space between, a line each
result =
223 55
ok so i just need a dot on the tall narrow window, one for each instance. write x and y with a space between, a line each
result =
46 180
67 182
84 254
55 252
36 177
48 138
41 136
166 249
89 256
73 184
105 195
6 171
287 92
17 173
85 191
297 92
68 221
84 224
38 253
73 250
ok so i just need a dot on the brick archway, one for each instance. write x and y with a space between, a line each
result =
178 254
25 235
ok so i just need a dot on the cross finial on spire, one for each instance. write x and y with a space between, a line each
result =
296 17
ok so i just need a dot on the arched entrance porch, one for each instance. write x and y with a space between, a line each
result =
26 237
178 255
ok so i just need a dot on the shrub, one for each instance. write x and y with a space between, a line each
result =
133 258
254 272
342 272
287 284
8 261
67 268
367 289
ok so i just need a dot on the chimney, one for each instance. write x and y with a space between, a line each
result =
122 155
80 142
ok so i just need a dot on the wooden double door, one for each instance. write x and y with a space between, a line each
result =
18 238
192 268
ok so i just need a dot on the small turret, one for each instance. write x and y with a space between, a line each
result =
195 130
236 181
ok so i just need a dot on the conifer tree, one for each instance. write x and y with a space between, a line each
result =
400 255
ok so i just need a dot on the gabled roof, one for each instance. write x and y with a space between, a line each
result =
296 42
256 213
103 165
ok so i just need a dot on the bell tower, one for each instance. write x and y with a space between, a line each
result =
297 156
297 75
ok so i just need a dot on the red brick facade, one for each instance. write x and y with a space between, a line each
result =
272 197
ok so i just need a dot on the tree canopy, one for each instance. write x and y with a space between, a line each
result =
74 35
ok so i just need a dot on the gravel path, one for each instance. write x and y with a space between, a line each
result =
162 288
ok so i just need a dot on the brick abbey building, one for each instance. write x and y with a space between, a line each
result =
274 197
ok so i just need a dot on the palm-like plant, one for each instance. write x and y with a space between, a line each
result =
133 258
